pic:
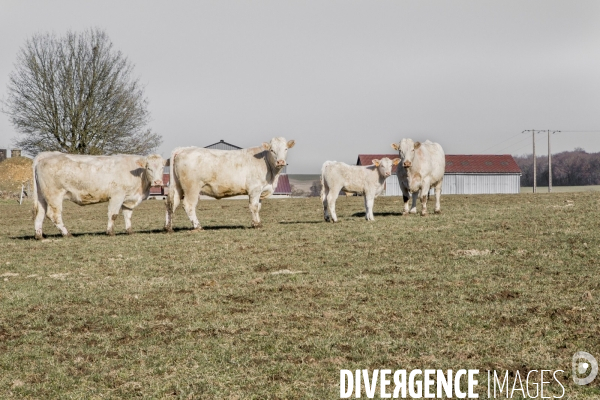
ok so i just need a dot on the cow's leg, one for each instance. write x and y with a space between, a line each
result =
54 212
324 194
114 205
369 201
190 201
127 216
424 196
172 203
438 194
405 197
255 209
413 208
39 209
331 199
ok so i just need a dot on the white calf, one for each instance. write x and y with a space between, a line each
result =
368 181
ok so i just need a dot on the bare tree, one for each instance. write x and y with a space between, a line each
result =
76 94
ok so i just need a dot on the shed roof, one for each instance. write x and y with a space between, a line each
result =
462 163
283 185
223 145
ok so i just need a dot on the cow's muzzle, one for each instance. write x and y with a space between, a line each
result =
281 163
157 182
388 173
407 164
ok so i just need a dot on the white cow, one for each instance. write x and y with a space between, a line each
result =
121 180
423 166
224 173
368 181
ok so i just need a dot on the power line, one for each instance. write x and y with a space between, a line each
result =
483 151
563 131
520 141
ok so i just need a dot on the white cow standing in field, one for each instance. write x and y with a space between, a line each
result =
423 166
121 180
224 173
368 181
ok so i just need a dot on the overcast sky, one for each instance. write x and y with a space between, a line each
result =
345 77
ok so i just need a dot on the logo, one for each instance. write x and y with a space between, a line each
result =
584 364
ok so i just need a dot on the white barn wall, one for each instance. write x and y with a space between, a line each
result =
467 184
481 184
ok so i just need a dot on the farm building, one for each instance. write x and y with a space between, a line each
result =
223 145
465 174
283 189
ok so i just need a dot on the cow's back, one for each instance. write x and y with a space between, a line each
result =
88 179
433 161
219 173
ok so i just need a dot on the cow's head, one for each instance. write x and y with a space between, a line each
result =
407 148
384 166
153 166
277 151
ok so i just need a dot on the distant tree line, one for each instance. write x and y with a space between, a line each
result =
569 168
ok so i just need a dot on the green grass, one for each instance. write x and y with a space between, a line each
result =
200 315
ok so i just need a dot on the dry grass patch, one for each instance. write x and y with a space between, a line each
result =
497 282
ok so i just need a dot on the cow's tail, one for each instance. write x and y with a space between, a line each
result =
325 165
35 184
175 192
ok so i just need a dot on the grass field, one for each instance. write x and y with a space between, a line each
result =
562 189
505 282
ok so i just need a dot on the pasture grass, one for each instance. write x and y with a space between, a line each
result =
505 282
562 189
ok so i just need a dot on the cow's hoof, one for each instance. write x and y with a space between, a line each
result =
168 230
423 213
110 233
257 225
413 211
195 230
129 231
437 211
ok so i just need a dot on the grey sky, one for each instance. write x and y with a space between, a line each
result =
345 77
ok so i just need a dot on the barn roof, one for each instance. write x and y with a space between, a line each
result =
283 185
482 163
223 145
462 163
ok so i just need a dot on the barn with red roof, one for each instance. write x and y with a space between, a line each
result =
465 174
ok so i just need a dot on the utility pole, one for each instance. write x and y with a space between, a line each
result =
534 159
550 161
534 163
549 165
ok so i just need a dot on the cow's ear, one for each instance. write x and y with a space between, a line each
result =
141 162
266 146
375 162
395 146
291 143
396 161
417 145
